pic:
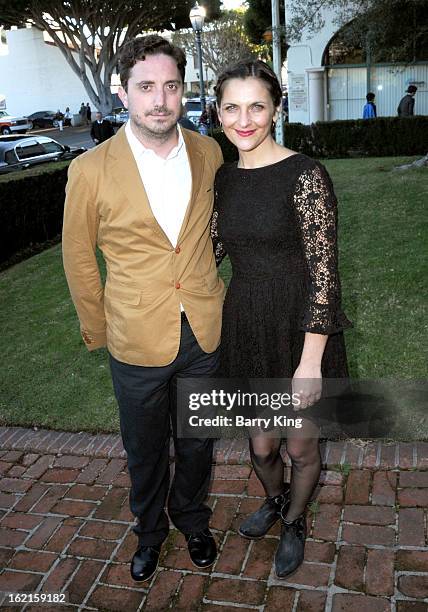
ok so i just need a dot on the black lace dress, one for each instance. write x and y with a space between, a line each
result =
278 225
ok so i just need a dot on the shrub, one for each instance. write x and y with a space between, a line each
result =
31 211
385 136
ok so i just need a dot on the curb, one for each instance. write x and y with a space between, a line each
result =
352 453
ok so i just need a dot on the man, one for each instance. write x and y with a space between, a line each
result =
369 110
407 103
101 129
82 113
88 114
145 197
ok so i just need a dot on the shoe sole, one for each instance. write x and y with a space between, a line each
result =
203 566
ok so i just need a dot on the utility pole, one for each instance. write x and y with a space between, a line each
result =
277 64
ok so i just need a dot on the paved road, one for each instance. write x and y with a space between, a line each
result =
74 137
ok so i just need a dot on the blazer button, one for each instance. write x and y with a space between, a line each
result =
177 285
177 250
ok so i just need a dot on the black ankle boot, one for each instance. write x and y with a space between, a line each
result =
290 552
258 524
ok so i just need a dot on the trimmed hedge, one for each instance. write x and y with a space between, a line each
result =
381 137
31 212
31 205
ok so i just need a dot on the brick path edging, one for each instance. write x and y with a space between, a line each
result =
372 454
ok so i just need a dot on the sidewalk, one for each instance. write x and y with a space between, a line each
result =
65 527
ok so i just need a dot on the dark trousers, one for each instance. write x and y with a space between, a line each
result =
147 405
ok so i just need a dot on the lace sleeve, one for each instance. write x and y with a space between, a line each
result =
219 250
316 207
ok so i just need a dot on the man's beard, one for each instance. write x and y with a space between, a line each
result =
161 131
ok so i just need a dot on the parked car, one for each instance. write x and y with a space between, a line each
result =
193 109
118 116
21 152
43 119
10 124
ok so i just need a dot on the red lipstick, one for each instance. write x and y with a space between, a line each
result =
246 133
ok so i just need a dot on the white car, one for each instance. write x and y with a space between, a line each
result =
9 124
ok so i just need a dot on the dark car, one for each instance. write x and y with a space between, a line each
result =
20 152
43 119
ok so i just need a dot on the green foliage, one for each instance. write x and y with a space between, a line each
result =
396 30
258 24
97 14
224 42
393 31
31 208
383 136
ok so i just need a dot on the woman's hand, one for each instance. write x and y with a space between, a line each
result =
307 384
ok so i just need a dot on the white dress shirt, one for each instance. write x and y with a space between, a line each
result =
168 182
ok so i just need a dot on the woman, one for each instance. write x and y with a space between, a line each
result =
68 116
275 215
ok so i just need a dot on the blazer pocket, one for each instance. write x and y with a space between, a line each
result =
126 295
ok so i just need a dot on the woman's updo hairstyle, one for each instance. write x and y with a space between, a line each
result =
252 68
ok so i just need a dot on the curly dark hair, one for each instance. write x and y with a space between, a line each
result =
138 48
252 68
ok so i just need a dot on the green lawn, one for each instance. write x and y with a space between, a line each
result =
49 379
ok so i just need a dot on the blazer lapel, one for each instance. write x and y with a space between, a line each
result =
196 161
125 172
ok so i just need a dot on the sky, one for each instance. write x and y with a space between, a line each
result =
232 4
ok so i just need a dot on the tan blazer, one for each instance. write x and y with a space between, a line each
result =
137 313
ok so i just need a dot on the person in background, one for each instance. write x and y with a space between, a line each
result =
212 116
60 118
203 123
285 105
82 113
369 110
67 116
406 107
185 122
88 114
101 129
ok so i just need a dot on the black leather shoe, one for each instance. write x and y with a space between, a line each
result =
258 524
290 552
202 548
145 562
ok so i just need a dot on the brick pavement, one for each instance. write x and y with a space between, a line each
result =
65 526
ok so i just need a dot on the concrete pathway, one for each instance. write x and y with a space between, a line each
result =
65 527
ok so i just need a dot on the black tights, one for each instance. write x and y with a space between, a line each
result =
303 449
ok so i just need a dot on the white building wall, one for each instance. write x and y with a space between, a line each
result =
317 93
306 97
35 76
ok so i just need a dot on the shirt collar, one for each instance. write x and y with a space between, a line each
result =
139 149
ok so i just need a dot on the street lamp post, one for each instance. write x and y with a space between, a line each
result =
197 18
276 46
